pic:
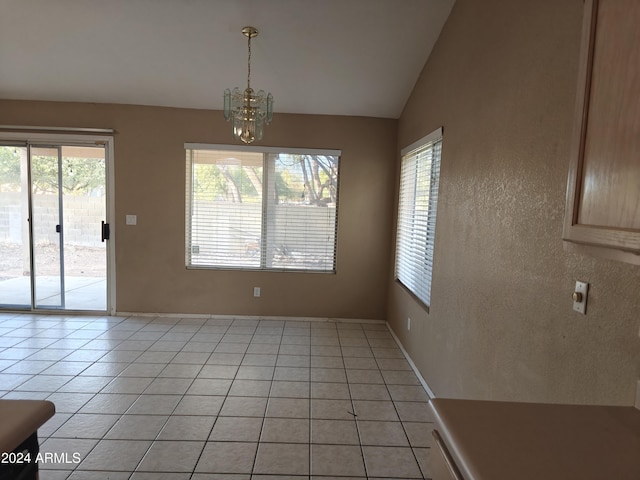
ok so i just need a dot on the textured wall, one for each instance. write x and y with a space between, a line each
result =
150 182
502 83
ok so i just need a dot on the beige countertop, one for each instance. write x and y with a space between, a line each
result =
508 440
19 419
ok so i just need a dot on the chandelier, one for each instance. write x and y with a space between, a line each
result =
248 110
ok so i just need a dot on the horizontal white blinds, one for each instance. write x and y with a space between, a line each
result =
419 178
250 209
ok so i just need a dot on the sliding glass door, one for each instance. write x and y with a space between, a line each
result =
53 227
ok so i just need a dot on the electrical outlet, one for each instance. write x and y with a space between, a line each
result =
408 323
256 291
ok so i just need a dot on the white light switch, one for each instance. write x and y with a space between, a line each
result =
580 297
132 219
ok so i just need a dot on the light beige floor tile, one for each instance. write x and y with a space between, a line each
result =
288 408
169 386
285 430
69 402
109 403
156 357
282 459
63 368
92 426
127 385
254 373
414 411
209 386
104 369
382 433
69 452
402 377
422 455
142 370
334 460
243 407
334 432
391 462
228 347
227 457
364 376
375 410
328 375
85 385
263 345
53 424
171 456
293 361
137 427
44 383
419 433
334 391
236 429
127 452
295 349
189 428
160 476
59 475
225 359
327 362
218 371
94 475
288 389
408 393
393 364
180 370
293 374
353 342
250 388
288 339
205 405
382 352
154 405
366 391
356 352
325 350
360 363
332 409
259 360
223 476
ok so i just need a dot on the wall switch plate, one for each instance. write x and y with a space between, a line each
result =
256 291
132 219
580 297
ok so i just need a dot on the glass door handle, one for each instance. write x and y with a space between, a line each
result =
58 228
105 231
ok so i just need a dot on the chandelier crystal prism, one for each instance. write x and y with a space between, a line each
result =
248 111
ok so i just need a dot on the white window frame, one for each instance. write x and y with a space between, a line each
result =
416 227
266 151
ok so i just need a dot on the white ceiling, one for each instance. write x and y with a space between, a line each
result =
338 57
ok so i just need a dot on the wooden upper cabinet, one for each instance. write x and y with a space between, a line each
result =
603 190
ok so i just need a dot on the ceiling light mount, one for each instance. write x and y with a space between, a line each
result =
249 111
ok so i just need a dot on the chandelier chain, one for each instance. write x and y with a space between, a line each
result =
249 65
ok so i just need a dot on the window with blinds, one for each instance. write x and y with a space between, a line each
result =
267 209
419 178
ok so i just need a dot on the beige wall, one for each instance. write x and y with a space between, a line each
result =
501 81
150 182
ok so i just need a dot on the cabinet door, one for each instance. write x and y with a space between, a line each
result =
603 191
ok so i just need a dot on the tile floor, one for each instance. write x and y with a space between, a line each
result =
206 399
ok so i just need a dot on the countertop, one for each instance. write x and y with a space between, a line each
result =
19 419
509 440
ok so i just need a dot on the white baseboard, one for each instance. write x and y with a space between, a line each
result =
425 385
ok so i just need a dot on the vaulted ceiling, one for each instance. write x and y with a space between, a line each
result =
338 57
